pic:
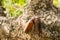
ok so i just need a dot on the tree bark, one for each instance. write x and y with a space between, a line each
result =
49 17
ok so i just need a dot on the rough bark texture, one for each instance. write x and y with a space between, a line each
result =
49 28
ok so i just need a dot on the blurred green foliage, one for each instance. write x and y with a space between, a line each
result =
19 2
14 6
56 3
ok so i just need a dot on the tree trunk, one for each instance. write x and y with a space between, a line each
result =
49 16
